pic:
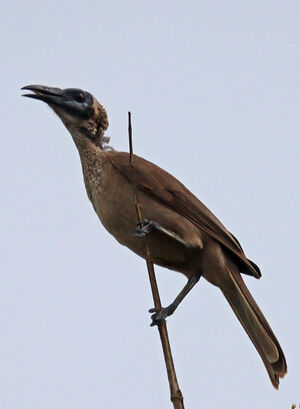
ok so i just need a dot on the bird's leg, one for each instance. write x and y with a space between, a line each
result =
159 316
149 227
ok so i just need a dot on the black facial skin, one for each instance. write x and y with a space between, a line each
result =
78 103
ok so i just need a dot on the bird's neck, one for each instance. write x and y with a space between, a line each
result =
92 160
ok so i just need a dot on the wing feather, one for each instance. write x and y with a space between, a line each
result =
166 189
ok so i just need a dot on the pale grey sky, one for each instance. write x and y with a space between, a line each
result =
213 87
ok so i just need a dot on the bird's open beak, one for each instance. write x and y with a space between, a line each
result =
49 95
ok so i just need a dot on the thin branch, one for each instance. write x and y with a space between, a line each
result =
130 137
176 395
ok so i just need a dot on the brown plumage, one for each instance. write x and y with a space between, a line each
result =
182 234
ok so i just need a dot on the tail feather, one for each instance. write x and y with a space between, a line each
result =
256 326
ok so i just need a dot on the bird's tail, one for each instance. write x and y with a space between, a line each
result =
256 326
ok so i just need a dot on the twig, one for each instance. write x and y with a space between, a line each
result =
176 395
130 137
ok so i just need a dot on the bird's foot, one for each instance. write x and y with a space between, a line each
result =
147 228
158 318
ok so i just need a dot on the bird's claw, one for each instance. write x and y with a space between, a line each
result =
141 231
158 318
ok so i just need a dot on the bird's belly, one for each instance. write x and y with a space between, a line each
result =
121 220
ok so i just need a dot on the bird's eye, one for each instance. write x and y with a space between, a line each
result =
79 97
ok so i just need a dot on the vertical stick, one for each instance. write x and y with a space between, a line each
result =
175 392
130 137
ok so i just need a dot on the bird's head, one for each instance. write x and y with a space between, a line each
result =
79 110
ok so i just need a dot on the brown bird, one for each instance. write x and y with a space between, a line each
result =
182 234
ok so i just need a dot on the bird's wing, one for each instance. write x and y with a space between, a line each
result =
166 189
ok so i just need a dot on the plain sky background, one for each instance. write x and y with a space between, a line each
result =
213 87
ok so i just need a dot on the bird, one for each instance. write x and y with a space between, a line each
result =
182 234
